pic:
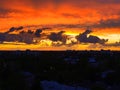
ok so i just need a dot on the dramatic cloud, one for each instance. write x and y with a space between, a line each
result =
39 31
29 12
57 38
71 16
22 36
25 37
84 38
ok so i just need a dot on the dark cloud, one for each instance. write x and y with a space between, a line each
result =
110 23
84 38
37 32
22 32
22 36
12 29
25 37
19 28
2 37
29 31
56 37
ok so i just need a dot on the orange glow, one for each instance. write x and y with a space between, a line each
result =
66 12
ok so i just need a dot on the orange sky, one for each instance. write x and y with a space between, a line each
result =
102 16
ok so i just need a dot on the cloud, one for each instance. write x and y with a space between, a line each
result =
116 44
25 37
57 11
84 38
37 32
12 29
58 37
110 23
22 36
29 31
2 37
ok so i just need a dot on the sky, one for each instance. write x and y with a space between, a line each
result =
60 24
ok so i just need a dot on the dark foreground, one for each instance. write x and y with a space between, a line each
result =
93 70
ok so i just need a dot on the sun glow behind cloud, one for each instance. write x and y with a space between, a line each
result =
71 16
44 43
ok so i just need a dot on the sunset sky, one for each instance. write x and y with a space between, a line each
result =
59 24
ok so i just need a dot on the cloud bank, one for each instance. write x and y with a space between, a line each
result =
56 38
